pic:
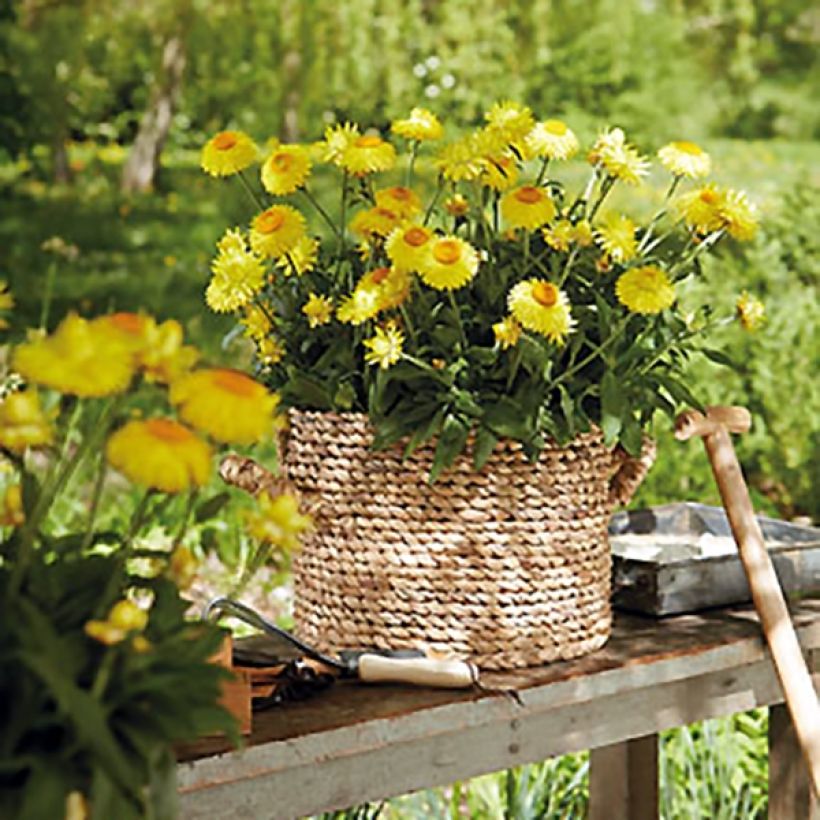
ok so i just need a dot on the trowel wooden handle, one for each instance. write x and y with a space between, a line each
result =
444 674
775 620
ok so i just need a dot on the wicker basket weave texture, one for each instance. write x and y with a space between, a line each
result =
509 567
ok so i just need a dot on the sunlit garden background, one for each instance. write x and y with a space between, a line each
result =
105 107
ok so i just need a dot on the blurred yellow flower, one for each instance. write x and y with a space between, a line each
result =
367 155
460 160
500 173
318 309
449 263
645 290
540 306
363 304
685 159
456 205
238 274
23 423
338 138
228 153
403 202
301 258
560 235
617 238
374 222
710 208
182 567
527 207
751 312
277 521
385 348
507 332
80 358
511 119
618 158
160 454
551 139
420 125
229 406
406 246
13 514
276 231
285 170
739 215
124 619
256 322
270 351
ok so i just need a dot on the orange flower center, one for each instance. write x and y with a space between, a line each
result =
235 382
385 213
282 162
167 430
401 193
447 252
368 141
225 141
555 127
545 294
416 237
379 275
709 196
529 195
131 323
269 221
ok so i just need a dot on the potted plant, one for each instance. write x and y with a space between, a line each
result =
104 666
471 355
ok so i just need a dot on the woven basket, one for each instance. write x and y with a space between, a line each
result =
509 567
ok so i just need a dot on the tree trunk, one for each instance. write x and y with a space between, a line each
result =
59 160
143 161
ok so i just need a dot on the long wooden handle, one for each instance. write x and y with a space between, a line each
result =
767 595
444 674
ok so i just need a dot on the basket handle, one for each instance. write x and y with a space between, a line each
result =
630 471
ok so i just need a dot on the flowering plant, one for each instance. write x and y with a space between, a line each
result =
102 670
493 302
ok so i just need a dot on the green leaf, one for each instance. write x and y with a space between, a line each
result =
485 442
632 436
425 433
679 391
209 508
567 408
507 419
719 357
30 491
450 445
613 404
45 791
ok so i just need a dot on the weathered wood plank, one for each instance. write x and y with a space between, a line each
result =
623 780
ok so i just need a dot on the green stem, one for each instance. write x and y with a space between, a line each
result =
427 368
49 287
414 145
457 313
659 215
596 352
137 520
103 674
568 267
542 172
96 495
343 210
186 516
323 213
606 187
257 200
429 212
409 325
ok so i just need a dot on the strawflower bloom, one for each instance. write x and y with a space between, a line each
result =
541 307
385 348
318 309
228 153
685 159
80 358
256 322
124 619
286 169
618 158
500 173
739 216
13 514
182 567
23 423
229 406
645 290
270 351
560 235
449 263
527 207
374 222
510 119
551 139
363 304
301 258
401 201
617 238
701 208
507 332
751 312
461 160
338 138
406 246
238 274
456 205
276 231
160 454
367 155
421 125
278 521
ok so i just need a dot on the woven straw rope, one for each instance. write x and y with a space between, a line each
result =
509 567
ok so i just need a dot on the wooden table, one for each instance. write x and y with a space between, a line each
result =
356 743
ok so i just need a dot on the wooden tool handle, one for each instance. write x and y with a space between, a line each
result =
443 674
767 595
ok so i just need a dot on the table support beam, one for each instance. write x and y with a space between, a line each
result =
623 780
790 796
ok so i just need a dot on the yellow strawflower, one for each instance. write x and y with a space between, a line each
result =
527 207
421 125
510 119
617 238
301 258
385 348
238 274
318 309
367 155
751 312
541 307
160 454
229 406
552 139
560 235
338 138
277 521
645 290
401 201
13 514
182 567
710 208
270 351
739 215
448 263
507 332
276 231
23 423
80 358
456 205
256 322
582 234
374 222
406 246
618 158
461 160
685 159
286 169
500 173
363 304
228 153
125 618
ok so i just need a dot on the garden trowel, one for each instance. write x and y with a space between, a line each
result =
278 646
